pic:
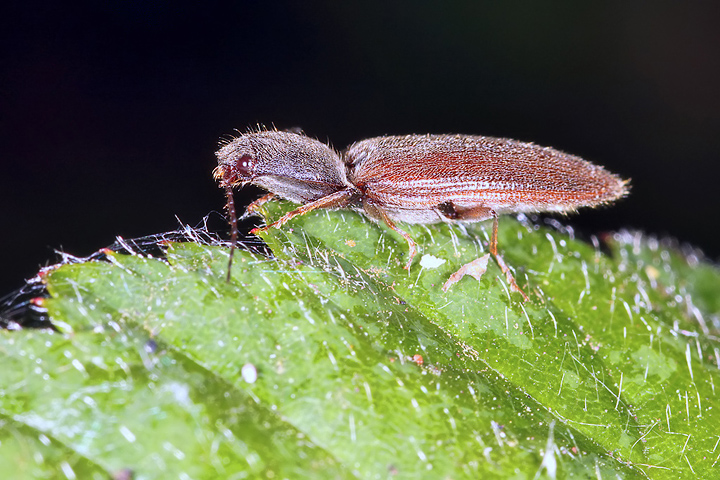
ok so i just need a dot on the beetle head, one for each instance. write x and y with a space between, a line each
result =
236 162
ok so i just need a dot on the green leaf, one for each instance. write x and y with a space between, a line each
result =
333 361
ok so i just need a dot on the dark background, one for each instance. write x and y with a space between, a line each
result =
110 112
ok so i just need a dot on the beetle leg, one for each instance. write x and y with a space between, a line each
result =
335 200
254 207
454 212
472 214
378 213
493 236
412 246
501 263
509 277
476 213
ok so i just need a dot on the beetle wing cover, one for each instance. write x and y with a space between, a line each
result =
422 171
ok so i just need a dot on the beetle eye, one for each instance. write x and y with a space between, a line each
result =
244 166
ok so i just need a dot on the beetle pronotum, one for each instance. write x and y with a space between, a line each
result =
414 179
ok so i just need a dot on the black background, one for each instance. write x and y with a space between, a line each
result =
110 112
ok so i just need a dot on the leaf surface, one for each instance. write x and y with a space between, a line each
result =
333 361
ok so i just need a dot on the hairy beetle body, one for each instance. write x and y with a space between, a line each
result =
416 179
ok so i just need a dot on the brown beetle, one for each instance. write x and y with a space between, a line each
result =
415 179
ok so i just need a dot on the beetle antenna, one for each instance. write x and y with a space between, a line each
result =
233 227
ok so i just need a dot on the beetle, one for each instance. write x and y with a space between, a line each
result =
414 179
